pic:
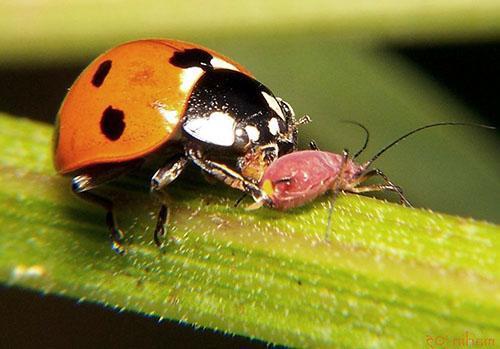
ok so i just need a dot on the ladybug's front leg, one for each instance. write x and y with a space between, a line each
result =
227 175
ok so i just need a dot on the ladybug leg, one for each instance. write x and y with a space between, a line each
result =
163 218
168 173
239 200
228 176
81 186
163 177
388 185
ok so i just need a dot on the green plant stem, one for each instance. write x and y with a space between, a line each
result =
389 276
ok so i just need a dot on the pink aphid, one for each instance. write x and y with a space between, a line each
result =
300 177
297 178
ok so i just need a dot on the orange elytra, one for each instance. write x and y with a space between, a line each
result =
136 79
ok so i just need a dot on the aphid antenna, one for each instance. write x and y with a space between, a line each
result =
367 136
367 164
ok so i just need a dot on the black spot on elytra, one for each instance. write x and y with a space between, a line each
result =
101 73
193 57
112 124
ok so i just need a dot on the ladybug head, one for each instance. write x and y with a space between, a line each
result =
259 157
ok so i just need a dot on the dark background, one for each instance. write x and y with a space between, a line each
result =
470 72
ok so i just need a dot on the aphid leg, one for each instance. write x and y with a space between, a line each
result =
81 186
335 194
228 176
388 185
163 177
336 189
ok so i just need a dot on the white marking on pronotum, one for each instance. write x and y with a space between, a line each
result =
189 76
253 133
273 104
218 63
217 128
274 127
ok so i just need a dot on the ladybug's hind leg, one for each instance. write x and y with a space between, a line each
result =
81 186
163 177
85 182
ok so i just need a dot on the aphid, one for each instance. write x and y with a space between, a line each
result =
168 103
300 177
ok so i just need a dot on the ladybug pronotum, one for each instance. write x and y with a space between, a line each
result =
172 101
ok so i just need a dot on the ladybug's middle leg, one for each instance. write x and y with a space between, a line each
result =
163 177
168 173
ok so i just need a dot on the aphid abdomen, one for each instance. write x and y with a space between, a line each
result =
300 177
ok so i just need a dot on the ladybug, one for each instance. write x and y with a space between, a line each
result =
169 103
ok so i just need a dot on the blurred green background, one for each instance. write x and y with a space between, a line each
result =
391 65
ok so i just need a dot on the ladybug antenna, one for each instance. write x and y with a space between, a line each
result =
387 147
367 136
